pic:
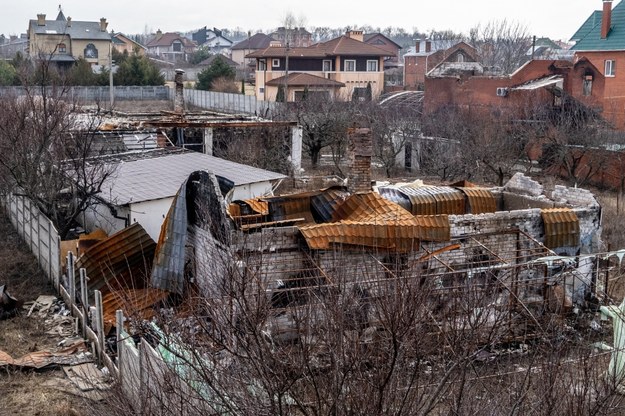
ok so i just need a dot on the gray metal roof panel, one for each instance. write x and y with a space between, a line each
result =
160 177
77 30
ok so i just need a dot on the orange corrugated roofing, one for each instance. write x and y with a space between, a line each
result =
366 220
561 227
481 201
121 260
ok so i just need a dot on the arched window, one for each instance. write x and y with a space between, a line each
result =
61 48
460 58
91 51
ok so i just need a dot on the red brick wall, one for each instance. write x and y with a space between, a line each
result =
480 92
613 100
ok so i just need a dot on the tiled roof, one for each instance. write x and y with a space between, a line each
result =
592 21
166 39
155 177
224 59
341 46
589 35
300 79
257 41
77 30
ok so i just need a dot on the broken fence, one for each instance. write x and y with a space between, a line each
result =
130 367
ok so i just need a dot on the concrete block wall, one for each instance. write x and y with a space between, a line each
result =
577 197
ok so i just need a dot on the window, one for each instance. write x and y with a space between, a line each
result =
177 46
350 65
327 65
91 51
262 65
587 85
460 58
61 48
275 63
610 68
372 65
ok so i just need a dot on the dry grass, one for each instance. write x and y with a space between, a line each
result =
25 392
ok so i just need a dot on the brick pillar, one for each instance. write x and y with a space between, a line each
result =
360 148
179 92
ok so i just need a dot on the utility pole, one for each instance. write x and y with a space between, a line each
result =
111 90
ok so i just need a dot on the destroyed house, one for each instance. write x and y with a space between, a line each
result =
521 245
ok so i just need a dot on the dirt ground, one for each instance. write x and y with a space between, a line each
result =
23 391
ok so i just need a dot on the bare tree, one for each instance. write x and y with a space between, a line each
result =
502 44
46 152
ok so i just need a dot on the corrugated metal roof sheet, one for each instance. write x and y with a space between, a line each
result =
396 196
324 204
258 206
151 178
400 236
480 200
290 207
371 207
561 227
422 202
366 220
434 227
136 303
168 268
123 260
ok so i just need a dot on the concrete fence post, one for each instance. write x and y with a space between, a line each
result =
119 327
71 281
99 323
84 299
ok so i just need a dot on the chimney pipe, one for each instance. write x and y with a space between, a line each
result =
69 21
606 18
41 20
179 92
103 24
360 147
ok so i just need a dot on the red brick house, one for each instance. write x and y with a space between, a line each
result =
538 82
428 54
601 40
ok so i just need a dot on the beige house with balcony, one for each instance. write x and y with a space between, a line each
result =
340 68
64 40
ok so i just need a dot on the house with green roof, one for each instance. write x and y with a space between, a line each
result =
601 40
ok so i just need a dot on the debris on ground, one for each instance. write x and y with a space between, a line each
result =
74 353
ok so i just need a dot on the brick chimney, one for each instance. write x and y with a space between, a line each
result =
159 34
356 34
103 24
606 18
428 46
179 92
417 47
41 20
360 148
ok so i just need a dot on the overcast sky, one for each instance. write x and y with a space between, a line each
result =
557 19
